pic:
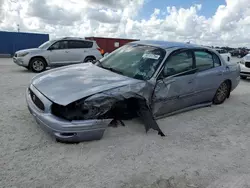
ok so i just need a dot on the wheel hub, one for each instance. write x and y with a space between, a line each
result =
38 65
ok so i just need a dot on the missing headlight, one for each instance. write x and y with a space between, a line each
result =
69 112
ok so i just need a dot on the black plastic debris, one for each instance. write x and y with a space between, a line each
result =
115 123
147 118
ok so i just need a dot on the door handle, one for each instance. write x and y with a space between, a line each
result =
67 51
190 81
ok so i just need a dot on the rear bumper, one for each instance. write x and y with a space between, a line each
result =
62 130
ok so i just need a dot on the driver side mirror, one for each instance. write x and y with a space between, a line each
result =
161 76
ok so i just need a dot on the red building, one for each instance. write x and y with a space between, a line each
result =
110 44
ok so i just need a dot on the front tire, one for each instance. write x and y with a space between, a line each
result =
89 59
37 65
222 93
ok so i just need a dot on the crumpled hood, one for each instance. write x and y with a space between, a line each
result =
68 84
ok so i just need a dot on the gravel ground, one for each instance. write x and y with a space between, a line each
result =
201 146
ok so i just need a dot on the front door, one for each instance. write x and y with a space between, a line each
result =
175 85
59 54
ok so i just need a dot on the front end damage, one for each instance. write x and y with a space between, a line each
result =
63 130
118 104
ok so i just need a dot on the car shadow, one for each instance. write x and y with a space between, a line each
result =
245 80
24 70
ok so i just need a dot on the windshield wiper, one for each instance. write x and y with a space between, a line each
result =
107 68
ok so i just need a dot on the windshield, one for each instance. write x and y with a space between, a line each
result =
46 44
135 61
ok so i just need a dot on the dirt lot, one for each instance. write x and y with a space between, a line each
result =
201 146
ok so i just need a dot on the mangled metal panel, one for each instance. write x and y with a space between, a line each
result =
106 100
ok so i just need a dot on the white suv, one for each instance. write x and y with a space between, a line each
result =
245 67
54 53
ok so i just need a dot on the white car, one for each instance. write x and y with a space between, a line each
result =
245 67
224 54
59 52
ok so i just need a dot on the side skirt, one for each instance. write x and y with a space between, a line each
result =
185 109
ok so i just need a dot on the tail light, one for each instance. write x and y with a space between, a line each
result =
101 50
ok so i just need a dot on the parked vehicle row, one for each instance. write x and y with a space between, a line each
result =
148 79
60 52
239 53
72 50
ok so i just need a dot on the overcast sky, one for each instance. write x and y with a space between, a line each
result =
209 22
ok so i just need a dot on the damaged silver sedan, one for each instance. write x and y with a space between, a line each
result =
145 79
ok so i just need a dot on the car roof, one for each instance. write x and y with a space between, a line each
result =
167 44
73 38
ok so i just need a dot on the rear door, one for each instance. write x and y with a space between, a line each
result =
175 85
79 50
209 75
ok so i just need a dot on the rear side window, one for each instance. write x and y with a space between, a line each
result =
216 60
80 44
205 60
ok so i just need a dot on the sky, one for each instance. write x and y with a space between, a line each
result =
205 22
150 5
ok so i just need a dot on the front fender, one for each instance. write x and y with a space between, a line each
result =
106 100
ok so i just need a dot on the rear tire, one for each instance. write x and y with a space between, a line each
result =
89 59
243 77
37 65
222 93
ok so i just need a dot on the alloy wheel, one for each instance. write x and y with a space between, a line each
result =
38 65
222 92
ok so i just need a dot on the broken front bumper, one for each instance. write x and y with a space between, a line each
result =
62 130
